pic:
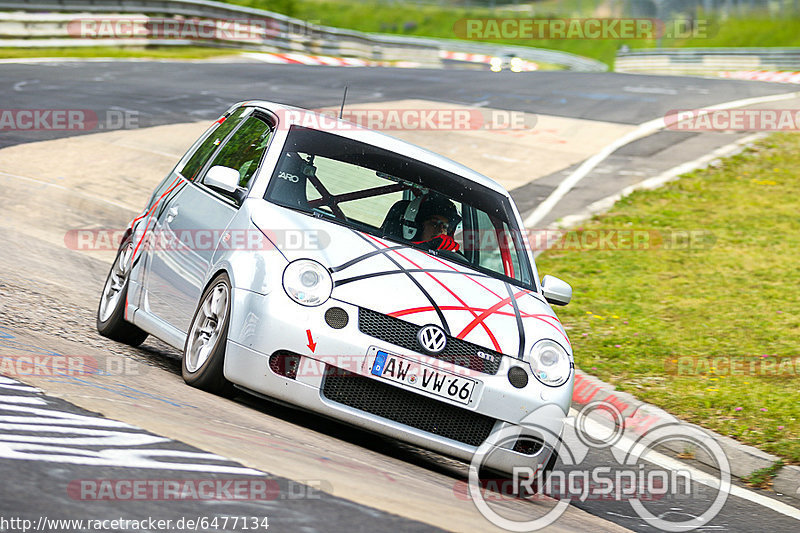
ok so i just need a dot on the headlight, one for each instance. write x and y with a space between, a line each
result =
307 282
549 363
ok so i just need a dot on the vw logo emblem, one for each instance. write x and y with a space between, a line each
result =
432 339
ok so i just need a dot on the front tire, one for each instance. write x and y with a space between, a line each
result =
111 321
204 352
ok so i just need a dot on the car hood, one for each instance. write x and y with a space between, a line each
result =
414 286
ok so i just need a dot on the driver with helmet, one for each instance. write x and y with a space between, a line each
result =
436 220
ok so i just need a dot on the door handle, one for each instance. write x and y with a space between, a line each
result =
172 213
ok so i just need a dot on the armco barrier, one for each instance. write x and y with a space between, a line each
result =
706 61
44 23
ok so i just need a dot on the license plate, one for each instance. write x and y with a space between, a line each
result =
423 377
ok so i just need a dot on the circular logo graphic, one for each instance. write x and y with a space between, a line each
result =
638 471
432 339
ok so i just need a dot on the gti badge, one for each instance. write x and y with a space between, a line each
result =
432 339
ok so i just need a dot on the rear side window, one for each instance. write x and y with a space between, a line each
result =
244 149
195 163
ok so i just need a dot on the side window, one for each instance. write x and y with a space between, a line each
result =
195 163
244 149
486 243
489 239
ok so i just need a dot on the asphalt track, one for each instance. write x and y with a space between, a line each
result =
328 477
170 92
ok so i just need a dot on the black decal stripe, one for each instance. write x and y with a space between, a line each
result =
365 256
427 295
410 270
534 295
519 321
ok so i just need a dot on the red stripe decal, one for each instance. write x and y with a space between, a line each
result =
169 190
522 313
462 302
479 319
416 310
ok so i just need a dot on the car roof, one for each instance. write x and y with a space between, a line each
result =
294 116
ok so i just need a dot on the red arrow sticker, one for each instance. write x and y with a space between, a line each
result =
311 344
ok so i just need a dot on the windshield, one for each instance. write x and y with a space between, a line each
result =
401 199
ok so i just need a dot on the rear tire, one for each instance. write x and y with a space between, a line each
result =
111 321
204 351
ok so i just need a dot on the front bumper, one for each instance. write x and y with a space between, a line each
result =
335 380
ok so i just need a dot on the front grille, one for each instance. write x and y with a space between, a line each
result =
407 407
458 352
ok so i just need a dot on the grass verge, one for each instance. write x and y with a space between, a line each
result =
708 331
762 479
154 52
438 21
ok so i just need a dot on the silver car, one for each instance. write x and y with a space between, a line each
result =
306 259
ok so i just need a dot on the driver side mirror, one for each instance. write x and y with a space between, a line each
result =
556 291
222 178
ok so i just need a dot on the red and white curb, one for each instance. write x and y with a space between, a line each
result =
639 417
292 58
763 75
524 65
295 58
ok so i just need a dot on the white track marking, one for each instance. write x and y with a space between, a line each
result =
643 130
67 189
626 443
606 203
48 434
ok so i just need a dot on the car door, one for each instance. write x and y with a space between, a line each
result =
195 220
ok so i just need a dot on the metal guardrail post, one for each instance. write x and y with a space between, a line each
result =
706 60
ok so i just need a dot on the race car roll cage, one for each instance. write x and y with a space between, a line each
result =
332 201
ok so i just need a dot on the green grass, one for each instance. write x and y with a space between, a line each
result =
438 21
636 316
762 479
413 20
156 52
